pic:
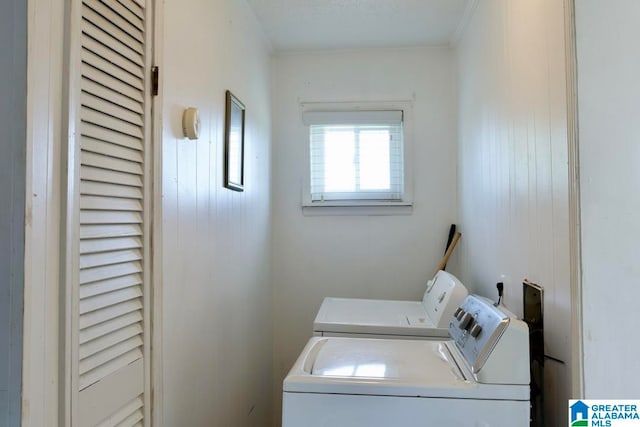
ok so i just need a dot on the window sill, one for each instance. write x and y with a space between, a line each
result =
364 209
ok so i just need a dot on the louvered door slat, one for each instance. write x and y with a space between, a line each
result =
110 203
110 177
106 67
98 34
105 148
110 217
111 136
125 13
101 8
135 7
114 110
90 275
105 231
113 70
112 150
111 354
110 190
133 67
104 342
109 285
117 34
109 362
132 419
88 246
111 312
107 162
112 298
94 88
126 416
115 337
91 73
109 326
108 122
107 258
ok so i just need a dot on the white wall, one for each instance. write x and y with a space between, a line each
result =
13 94
513 176
609 138
216 292
357 256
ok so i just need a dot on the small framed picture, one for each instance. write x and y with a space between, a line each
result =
234 144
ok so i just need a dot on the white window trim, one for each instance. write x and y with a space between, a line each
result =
355 207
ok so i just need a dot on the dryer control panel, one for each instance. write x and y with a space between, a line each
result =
491 341
444 293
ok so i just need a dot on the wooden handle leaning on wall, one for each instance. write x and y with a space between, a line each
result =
450 249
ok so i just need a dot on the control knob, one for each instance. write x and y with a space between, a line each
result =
465 321
475 330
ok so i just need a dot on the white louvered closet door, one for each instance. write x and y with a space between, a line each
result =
109 282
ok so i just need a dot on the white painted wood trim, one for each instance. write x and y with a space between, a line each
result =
421 48
577 348
157 370
70 226
40 392
149 205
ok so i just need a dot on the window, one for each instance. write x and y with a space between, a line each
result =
356 158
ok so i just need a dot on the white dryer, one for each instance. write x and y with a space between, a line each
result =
426 319
479 378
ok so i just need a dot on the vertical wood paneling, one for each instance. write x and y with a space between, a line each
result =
513 204
608 92
215 267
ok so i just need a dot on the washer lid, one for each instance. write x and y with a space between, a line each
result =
411 368
409 361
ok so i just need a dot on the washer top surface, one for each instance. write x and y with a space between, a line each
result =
350 315
428 318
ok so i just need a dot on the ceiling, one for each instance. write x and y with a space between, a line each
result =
347 24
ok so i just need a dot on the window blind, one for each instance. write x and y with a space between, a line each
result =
360 117
355 155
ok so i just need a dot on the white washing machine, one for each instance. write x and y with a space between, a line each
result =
478 378
426 319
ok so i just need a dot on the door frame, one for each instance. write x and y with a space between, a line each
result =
575 253
41 336
44 397
157 369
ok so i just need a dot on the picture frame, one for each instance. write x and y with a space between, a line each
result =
234 143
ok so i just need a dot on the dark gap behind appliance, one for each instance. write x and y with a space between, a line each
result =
533 315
